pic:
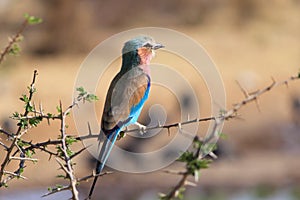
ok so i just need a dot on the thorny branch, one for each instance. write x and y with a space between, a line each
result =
13 145
31 113
69 166
201 151
31 118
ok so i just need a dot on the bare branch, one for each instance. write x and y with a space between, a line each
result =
244 91
6 133
175 191
5 147
56 190
92 176
15 175
174 172
20 158
62 166
79 152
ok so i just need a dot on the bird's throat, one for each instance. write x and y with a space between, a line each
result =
146 55
146 69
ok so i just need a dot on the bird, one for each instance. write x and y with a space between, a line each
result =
126 95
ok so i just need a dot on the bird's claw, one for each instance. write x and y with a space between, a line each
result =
142 128
121 135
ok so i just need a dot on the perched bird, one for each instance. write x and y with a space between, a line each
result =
126 95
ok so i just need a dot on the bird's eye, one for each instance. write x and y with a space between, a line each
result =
148 45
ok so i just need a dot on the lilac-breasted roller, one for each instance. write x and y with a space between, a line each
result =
126 95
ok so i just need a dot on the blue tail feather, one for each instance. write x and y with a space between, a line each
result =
103 156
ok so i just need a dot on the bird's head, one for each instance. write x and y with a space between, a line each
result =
139 51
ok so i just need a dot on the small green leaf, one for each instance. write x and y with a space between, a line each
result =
23 123
84 95
180 194
186 157
32 19
80 90
14 50
24 98
29 107
91 98
15 115
61 176
28 153
70 152
35 121
58 186
22 144
58 108
70 140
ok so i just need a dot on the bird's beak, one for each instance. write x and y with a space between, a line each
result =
157 46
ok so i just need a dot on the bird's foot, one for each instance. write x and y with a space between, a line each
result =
121 134
141 127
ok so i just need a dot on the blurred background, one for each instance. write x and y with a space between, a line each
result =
250 41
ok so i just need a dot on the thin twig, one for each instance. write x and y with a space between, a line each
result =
92 176
6 133
174 192
3 145
56 190
13 40
174 172
25 158
79 152
15 175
